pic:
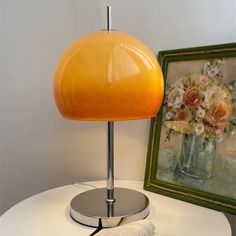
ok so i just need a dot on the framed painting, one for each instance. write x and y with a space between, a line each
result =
192 143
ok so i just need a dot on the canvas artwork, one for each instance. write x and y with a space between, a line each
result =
192 146
197 136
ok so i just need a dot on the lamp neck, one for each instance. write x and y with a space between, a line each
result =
108 18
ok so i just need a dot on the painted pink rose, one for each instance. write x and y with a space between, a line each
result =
220 132
192 97
183 114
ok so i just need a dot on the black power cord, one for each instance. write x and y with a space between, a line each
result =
98 229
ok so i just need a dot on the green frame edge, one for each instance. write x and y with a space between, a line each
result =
191 195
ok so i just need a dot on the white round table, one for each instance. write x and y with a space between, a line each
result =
47 214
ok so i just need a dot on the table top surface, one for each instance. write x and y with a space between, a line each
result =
47 214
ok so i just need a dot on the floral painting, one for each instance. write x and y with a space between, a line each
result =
194 133
200 103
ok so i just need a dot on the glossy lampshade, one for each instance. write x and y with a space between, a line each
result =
108 75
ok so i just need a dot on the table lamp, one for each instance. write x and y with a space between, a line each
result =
108 76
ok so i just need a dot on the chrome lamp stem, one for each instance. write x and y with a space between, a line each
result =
110 144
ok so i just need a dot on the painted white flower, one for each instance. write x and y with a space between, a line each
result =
218 62
208 95
200 114
199 128
210 70
203 80
178 102
168 115
175 97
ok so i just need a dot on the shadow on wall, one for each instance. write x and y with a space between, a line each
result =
232 221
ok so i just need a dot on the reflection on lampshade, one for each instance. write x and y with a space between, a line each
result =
108 75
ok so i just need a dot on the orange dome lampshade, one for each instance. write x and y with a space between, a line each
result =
108 75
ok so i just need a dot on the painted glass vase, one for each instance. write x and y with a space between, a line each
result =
196 156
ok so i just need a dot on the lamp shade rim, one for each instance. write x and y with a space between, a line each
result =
109 118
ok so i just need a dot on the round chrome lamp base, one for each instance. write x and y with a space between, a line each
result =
91 208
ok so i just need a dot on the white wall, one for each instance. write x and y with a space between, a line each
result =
1 77
40 150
